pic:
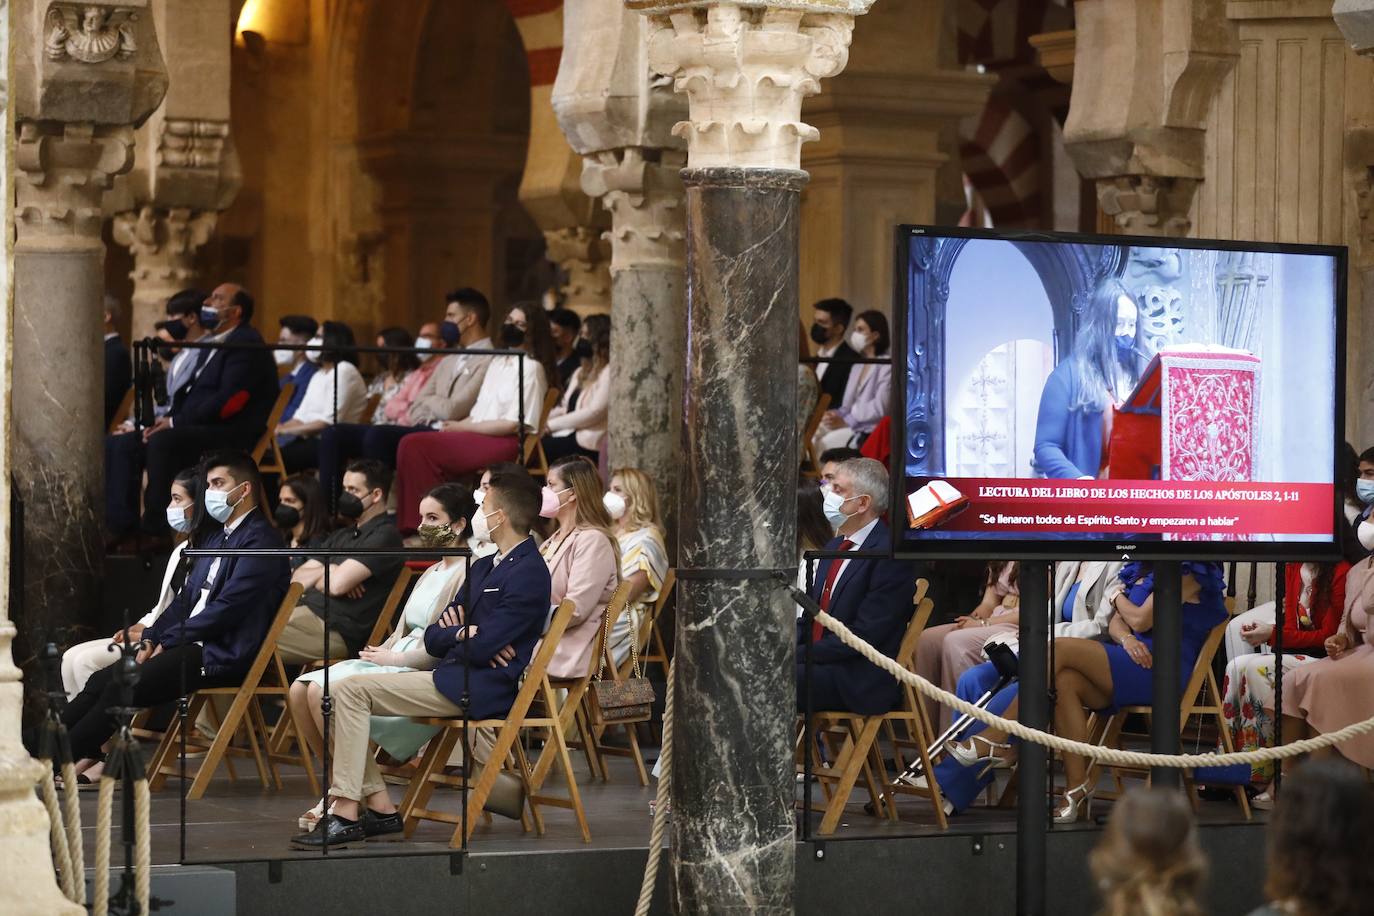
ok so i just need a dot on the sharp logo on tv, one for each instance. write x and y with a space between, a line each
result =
1064 395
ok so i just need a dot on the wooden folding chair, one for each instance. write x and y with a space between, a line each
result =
126 407
1201 696
811 460
370 408
268 443
533 455
851 740
653 649
615 674
508 729
283 732
266 678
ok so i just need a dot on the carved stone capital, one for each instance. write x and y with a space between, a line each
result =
1148 204
1355 19
164 243
644 197
584 256
62 172
745 71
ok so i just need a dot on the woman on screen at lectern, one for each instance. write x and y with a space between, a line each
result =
1100 372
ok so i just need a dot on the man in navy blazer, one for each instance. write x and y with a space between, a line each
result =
215 625
872 597
225 404
484 641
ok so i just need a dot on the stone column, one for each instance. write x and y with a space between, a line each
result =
185 169
745 72
619 117
1144 78
51 336
85 75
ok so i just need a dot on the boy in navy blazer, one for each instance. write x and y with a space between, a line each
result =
484 641
224 405
872 597
214 626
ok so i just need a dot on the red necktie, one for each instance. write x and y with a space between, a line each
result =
817 631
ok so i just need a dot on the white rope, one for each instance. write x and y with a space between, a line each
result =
100 890
1093 751
142 846
76 854
665 773
47 790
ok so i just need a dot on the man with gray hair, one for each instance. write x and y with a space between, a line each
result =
119 367
872 596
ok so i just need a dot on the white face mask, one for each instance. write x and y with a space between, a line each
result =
218 505
858 341
615 505
480 529
177 520
834 508
479 496
284 357
315 344
424 343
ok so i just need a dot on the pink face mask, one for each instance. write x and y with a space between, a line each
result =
550 504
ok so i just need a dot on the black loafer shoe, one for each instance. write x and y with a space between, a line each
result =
334 832
379 825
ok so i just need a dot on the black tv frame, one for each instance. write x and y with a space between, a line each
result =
1090 548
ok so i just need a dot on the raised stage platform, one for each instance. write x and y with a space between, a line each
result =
869 865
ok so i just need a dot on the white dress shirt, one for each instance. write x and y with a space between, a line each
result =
856 543
318 404
821 367
499 398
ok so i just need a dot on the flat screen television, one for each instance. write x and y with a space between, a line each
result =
1072 396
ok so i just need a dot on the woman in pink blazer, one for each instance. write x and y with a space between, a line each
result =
583 559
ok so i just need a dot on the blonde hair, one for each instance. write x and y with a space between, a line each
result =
1148 862
642 506
579 474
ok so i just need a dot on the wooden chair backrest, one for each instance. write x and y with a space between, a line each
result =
1201 667
645 633
534 447
665 591
813 423
906 651
615 609
537 672
126 406
386 620
269 437
370 409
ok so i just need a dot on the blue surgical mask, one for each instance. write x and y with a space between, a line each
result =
450 332
176 518
833 506
1125 343
1364 489
218 505
209 317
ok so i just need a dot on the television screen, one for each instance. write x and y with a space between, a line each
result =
1063 395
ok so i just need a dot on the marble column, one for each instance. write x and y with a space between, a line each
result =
77 102
648 324
745 72
185 168
60 169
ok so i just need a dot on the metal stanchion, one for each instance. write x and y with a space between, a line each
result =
1032 807
808 726
1280 618
1166 667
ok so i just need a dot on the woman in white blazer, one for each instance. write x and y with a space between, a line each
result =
577 426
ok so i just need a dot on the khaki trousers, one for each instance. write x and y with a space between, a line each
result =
302 639
408 693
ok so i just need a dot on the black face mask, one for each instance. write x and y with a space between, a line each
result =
512 336
350 506
175 327
286 517
583 348
819 334
449 332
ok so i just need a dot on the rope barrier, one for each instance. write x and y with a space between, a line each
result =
665 772
143 872
1096 752
100 892
47 790
76 854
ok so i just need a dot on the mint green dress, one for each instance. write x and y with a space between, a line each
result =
436 587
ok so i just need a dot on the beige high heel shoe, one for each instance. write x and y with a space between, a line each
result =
1078 801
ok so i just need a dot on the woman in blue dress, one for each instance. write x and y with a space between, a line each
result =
1093 675
444 514
1101 371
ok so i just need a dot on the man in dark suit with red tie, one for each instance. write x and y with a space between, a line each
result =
871 596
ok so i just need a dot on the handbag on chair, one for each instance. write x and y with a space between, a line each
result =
621 702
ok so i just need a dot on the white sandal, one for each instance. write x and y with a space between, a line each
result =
309 819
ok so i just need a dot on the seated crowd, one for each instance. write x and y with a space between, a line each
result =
429 452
